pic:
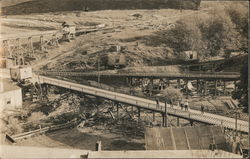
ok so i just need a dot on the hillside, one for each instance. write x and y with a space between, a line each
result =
5 3
43 6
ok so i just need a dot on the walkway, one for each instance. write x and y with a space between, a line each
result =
147 104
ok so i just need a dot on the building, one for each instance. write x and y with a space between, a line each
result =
10 95
189 55
6 62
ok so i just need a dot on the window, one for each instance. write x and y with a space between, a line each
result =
117 60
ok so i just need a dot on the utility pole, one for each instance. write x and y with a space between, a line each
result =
166 119
99 78
237 115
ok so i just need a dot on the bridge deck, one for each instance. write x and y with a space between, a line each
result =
224 76
147 104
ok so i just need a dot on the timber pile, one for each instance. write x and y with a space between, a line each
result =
44 130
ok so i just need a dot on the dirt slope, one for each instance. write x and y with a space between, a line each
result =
43 6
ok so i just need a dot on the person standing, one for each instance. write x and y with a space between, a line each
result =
182 104
186 105
202 109
171 103
157 103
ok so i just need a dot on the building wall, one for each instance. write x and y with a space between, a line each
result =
11 99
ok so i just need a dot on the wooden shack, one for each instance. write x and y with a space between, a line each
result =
10 95
20 72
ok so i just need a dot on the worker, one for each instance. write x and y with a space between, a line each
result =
171 103
157 103
66 32
182 104
202 109
186 105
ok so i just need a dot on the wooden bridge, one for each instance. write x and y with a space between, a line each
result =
23 45
142 103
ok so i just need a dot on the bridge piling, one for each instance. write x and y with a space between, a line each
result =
153 116
163 119
215 87
205 88
30 47
117 110
139 114
178 121
224 87
179 83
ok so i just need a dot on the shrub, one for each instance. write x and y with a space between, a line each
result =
172 94
36 116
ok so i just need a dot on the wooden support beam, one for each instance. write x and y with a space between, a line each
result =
205 87
163 119
153 116
224 87
166 117
178 121
186 85
42 44
132 110
198 86
139 114
215 87
30 47
117 110
179 83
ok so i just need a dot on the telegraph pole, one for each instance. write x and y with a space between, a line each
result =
166 119
99 78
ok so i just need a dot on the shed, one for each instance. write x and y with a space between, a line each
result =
10 95
189 55
185 138
6 62
20 72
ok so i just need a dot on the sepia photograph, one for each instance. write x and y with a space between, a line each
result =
124 79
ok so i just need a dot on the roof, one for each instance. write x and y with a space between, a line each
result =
8 85
163 154
184 138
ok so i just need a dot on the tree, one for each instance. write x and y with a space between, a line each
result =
184 36
172 94
218 33
238 13
241 93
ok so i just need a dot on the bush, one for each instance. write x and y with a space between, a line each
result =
36 116
14 126
172 94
